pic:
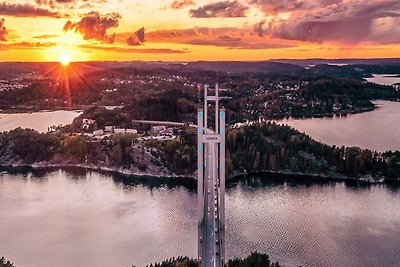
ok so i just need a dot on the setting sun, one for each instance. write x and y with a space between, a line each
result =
65 60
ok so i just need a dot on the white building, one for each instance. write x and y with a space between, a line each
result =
109 129
131 131
159 128
86 123
119 131
98 133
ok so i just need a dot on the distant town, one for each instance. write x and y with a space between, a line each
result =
138 118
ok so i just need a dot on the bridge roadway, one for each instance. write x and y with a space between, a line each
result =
211 230
211 250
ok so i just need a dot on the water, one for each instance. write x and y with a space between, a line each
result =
384 79
377 130
39 121
90 219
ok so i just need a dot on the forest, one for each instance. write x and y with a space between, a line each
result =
5 263
254 260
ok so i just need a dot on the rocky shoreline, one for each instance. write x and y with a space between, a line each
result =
287 176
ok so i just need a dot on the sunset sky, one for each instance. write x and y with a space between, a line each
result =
186 30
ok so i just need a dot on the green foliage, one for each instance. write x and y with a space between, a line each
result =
121 144
76 147
254 260
5 263
269 146
176 262
28 145
181 154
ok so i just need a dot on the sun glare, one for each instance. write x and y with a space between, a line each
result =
65 60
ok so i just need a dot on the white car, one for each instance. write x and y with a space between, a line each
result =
209 209
208 191
216 229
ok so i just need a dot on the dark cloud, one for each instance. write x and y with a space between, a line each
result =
344 22
133 50
94 26
319 31
278 6
27 10
258 28
223 9
137 38
3 30
178 4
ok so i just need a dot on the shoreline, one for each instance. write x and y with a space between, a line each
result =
284 176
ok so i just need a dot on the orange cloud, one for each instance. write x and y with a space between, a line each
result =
28 45
3 30
228 37
137 38
178 4
94 26
133 50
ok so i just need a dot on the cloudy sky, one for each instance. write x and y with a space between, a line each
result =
184 30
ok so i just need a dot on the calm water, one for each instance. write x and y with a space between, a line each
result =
384 79
376 130
39 121
65 219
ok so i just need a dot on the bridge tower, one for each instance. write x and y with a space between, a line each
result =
211 183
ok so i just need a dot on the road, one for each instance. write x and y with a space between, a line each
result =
211 246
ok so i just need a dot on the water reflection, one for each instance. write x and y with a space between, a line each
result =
80 218
376 130
39 121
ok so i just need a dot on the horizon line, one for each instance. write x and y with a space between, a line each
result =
189 61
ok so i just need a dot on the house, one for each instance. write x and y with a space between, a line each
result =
131 131
86 123
109 129
166 132
98 133
158 128
119 131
